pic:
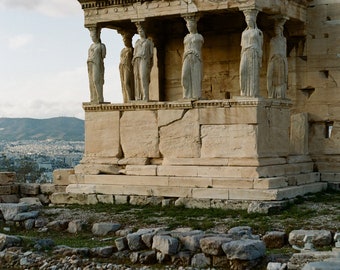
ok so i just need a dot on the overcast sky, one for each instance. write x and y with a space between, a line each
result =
43 47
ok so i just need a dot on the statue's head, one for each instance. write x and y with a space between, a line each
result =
191 23
95 34
140 30
250 17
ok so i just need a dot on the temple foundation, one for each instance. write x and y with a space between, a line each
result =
236 149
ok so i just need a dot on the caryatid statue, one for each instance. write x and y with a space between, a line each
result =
125 67
251 56
277 72
192 67
95 66
142 62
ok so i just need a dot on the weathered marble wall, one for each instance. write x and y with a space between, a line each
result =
314 81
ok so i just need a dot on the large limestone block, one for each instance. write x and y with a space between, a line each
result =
319 144
273 133
68 198
166 117
139 134
127 180
181 139
7 178
228 116
140 170
61 176
299 134
102 134
221 141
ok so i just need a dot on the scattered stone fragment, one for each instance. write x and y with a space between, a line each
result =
274 239
199 260
244 249
135 241
7 241
165 244
320 238
213 245
76 226
103 228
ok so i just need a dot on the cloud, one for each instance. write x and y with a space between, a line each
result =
19 41
51 8
51 95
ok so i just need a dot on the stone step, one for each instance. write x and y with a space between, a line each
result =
198 193
202 182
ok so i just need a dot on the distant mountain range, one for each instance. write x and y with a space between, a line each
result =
58 128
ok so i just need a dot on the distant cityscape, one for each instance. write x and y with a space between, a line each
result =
35 160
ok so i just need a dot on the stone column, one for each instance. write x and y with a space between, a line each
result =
142 62
192 68
251 56
277 71
95 65
125 67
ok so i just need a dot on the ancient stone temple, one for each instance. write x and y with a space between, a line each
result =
224 100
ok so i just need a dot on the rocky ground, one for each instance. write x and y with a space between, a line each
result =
63 237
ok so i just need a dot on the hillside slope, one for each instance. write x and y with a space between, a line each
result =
58 128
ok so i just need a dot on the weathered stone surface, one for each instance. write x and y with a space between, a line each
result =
299 134
5 190
245 249
33 202
181 258
147 257
61 176
103 252
105 198
102 134
26 215
266 207
320 238
192 242
299 260
7 241
274 239
200 260
104 228
30 189
322 266
121 199
73 198
7 178
240 231
11 210
76 226
213 245
94 169
47 188
58 225
121 243
9 198
275 266
147 238
181 138
165 244
29 224
139 134
135 241
220 141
